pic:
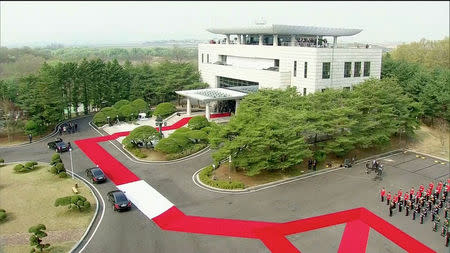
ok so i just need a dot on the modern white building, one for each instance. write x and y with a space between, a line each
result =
276 57
305 57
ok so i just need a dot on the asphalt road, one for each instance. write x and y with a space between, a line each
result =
335 191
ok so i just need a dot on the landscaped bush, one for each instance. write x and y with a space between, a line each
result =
57 168
2 161
140 105
30 165
100 119
188 151
62 174
20 168
164 109
182 142
127 112
121 103
2 214
168 146
56 158
31 127
198 122
142 134
36 238
76 201
111 112
205 177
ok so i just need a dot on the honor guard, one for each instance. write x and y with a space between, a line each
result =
388 198
382 193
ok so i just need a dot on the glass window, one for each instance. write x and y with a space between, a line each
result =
346 88
276 63
304 91
306 70
367 68
202 58
295 68
230 82
348 69
207 58
357 72
326 70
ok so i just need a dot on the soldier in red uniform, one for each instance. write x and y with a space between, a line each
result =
411 193
395 200
400 193
406 198
418 195
431 185
388 199
428 194
421 188
382 193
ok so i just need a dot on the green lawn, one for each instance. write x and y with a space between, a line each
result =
28 200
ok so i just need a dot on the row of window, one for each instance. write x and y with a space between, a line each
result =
305 71
207 58
357 69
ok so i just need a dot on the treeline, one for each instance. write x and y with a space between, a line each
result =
17 62
276 130
429 86
55 91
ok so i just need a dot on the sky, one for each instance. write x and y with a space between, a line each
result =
91 23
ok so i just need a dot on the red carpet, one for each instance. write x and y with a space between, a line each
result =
273 235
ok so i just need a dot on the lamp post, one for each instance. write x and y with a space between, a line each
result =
109 122
159 123
71 161
229 167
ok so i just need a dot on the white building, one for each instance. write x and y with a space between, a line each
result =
305 57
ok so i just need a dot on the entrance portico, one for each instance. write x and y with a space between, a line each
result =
210 95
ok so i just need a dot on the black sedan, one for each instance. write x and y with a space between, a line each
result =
119 200
58 145
96 175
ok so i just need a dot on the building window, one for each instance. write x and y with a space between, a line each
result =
304 91
230 82
202 58
357 72
223 59
276 63
295 68
367 68
326 70
348 69
207 58
346 88
306 70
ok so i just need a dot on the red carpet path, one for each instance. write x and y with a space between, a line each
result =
273 235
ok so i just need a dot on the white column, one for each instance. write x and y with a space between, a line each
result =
188 107
275 41
317 41
239 39
334 41
236 107
260 39
208 113
228 39
293 40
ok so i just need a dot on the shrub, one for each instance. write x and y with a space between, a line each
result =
57 168
111 112
168 146
30 165
19 168
36 237
188 151
127 112
2 214
31 127
140 105
100 119
164 109
75 201
56 158
198 122
205 177
142 134
197 136
120 103
62 175
2 160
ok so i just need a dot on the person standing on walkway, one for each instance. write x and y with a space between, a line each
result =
422 215
407 209
411 193
391 207
400 204
388 198
382 193
405 198
30 137
76 127
314 164
444 227
309 164
421 188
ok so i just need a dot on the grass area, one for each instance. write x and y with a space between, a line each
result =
28 200
56 248
153 155
21 137
433 141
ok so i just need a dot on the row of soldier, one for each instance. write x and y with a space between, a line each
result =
422 203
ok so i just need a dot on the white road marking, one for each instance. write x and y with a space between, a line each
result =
148 200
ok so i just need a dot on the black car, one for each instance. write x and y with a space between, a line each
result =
96 175
119 200
58 145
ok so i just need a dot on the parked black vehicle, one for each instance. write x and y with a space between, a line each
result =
59 146
96 175
119 201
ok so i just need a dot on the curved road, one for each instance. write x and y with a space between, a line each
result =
331 192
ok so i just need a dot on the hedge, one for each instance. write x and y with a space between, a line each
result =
205 177
121 103
100 119
164 109
198 122
2 214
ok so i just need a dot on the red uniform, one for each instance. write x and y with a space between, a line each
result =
418 194
399 193
406 196
411 191
431 185
383 192
429 192
395 198
448 188
421 188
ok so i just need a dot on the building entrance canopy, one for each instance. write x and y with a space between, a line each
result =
210 95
